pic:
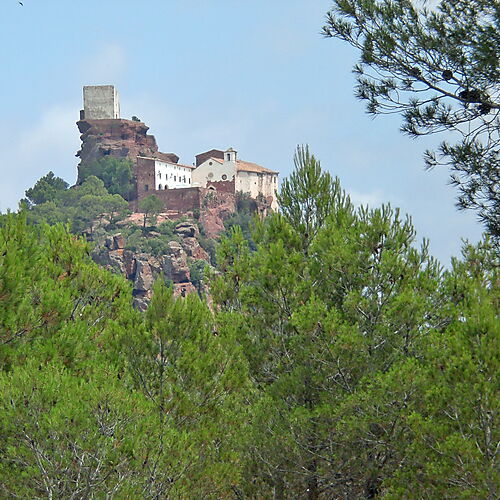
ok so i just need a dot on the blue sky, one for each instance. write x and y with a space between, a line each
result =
257 76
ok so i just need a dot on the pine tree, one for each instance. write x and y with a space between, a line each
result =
436 65
331 296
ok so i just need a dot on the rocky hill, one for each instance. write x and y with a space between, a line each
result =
174 264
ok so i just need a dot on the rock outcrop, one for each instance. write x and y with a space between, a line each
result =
143 269
190 234
217 207
117 138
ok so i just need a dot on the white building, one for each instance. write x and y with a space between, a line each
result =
222 170
160 174
172 175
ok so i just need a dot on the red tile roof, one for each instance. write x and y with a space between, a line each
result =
246 166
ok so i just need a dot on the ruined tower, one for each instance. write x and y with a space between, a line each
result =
104 133
100 102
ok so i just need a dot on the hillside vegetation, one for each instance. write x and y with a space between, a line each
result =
337 359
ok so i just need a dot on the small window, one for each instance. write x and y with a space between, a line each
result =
146 187
159 175
175 178
224 177
228 157
160 187
166 186
210 163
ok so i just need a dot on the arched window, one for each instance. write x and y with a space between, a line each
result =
160 187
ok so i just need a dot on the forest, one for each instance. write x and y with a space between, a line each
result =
326 354
336 359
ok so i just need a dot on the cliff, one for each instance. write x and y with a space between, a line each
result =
118 138
144 268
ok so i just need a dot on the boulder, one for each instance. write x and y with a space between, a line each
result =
186 230
212 223
193 249
118 241
143 268
118 138
109 243
109 259
184 289
144 278
175 264
130 263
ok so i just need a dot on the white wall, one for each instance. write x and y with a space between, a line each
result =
172 175
257 183
248 182
211 170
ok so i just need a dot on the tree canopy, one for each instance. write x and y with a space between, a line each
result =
116 173
335 359
438 67
355 339
46 189
82 206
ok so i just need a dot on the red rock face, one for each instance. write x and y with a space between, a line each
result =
217 208
117 138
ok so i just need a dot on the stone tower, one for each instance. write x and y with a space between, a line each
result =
100 102
104 133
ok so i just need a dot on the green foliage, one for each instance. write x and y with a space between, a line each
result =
116 173
439 68
150 206
245 204
337 311
209 245
194 378
99 401
156 244
197 271
309 196
83 207
246 209
336 360
46 189
166 228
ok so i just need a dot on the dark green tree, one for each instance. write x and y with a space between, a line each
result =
438 67
47 188
83 207
196 378
100 401
150 206
66 421
427 425
330 297
116 173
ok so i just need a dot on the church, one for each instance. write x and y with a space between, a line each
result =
181 187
